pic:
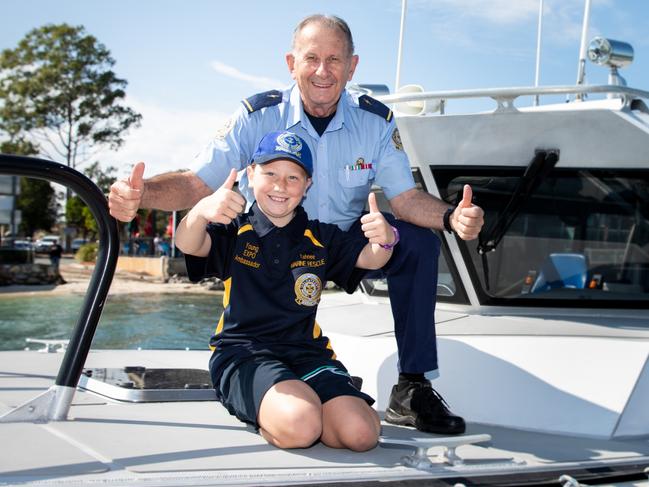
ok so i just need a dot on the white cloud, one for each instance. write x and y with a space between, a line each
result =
167 140
260 82
494 11
482 24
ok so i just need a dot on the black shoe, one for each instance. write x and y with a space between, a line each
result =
418 404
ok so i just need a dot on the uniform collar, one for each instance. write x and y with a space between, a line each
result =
263 226
297 115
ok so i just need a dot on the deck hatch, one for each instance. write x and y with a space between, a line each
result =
141 384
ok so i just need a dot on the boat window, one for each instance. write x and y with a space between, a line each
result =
581 235
448 288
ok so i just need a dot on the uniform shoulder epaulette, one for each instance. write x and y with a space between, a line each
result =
368 103
262 100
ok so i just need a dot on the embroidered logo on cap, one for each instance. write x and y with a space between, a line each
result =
289 143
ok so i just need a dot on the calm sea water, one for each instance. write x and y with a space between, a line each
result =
153 321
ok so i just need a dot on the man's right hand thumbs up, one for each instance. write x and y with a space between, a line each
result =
126 195
136 179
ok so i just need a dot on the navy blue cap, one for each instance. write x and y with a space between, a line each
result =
284 145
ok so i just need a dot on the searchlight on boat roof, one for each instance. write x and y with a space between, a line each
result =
607 52
611 53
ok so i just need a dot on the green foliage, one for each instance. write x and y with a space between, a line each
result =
18 146
102 178
87 253
77 214
57 85
74 212
37 201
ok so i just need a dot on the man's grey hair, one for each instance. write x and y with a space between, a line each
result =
330 21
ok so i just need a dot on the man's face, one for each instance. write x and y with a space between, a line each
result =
321 66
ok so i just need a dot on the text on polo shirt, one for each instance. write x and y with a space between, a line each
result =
250 252
307 260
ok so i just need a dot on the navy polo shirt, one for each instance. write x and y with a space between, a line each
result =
274 277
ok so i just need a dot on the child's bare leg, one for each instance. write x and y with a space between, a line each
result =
349 422
290 415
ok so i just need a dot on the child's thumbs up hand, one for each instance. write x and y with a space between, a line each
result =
225 204
374 225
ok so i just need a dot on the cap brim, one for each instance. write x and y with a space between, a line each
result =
265 159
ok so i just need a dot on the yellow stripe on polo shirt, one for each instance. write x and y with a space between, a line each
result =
246 228
309 235
317 333
227 284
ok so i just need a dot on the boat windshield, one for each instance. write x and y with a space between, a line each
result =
581 234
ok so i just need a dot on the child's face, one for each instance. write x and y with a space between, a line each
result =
279 187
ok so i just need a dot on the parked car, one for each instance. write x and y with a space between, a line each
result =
44 244
77 243
23 245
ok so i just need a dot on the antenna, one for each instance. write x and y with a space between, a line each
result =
539 31
404 7
581 69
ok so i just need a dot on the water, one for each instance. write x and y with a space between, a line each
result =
152 321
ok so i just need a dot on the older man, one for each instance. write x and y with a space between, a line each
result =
355 144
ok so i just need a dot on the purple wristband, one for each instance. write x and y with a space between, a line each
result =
396 240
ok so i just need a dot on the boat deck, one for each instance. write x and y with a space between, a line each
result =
199 443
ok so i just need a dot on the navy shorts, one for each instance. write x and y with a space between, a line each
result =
248 375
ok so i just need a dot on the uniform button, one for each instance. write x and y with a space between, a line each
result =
275 261
278 245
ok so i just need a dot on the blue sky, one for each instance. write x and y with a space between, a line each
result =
188 64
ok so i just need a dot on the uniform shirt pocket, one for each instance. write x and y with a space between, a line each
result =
353 179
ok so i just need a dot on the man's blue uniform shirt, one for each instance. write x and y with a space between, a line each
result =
359 148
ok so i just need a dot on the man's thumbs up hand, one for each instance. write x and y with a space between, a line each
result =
467 219
125 195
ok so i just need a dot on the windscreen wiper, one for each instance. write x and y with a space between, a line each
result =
540 166
537 170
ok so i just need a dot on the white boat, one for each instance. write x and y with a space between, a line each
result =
543 326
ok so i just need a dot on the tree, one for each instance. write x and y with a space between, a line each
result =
77 213
37 202
58 91
103 178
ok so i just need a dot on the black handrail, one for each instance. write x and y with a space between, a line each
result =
102 276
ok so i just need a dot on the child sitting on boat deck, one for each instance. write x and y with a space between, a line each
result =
272 366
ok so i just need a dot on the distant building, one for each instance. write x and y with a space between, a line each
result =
9 216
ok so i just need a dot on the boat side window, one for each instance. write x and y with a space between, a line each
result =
583 235
448 289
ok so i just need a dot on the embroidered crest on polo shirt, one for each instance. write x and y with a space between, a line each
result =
290 144
308 288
